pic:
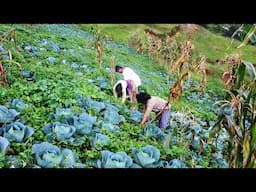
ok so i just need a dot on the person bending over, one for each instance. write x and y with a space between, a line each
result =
123 88
157 105
129 74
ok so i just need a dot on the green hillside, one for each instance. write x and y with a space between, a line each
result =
212 45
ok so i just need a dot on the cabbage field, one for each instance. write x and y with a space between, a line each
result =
57 109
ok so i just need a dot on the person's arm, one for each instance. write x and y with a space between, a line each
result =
114 91
147 113
144 120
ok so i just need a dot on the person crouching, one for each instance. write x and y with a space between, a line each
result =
123 89
157 105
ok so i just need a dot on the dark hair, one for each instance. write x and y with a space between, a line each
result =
143 97
118 89
118 67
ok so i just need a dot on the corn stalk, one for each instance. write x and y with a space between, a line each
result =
154 41
237 115
99 46
174 94
5 38
2 74
248 36
183 58
202 67
112 70
9 34
14 62
231 76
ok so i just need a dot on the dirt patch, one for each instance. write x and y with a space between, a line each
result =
210 72
214 62
183 28
189 27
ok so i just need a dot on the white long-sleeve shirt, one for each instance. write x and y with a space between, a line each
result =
129 74
124 86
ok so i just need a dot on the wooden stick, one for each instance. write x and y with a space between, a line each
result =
112 65
3 76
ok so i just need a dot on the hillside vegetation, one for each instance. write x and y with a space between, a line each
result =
57 107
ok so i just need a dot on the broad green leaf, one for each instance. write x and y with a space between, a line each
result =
253 133
240 75
246 149
246 29
248 37
252 162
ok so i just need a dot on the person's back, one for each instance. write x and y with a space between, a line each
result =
134 80
120 89
129 74
156 104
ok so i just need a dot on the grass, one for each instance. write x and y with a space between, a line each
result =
218 47
122 32
205 42
213 46
57 83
